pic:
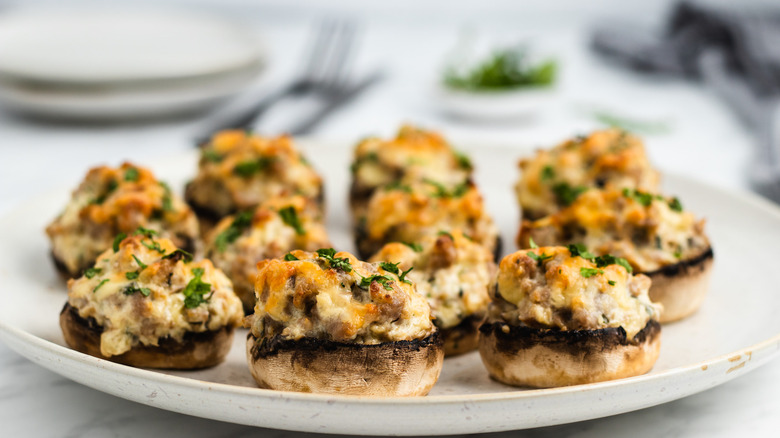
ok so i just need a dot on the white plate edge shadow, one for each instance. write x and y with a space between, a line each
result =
331 409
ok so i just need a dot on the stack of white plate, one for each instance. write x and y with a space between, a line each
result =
113 64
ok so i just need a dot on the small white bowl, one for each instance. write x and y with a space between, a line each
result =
494 105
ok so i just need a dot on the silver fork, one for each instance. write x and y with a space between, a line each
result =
324 73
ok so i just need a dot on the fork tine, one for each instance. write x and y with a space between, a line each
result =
342 55
318 50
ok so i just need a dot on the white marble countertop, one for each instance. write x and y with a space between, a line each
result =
704 141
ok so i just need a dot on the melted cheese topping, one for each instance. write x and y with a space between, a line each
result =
309 298
110 201
413 155
555 294
608 159
238 171
268 236
409 213
451 271
128 317
614 222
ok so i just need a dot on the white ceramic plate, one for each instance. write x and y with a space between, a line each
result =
735 331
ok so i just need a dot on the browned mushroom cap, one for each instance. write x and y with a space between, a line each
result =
389 369
524 356
195 351
681 287
464 337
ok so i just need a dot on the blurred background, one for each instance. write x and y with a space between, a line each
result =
83 83
86 83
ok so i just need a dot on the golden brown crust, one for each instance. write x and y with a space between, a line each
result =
195 351
390 369
682 287
462 338
542 358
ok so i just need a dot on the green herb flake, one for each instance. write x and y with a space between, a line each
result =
140 263
580 250
398 186
532 244
241 222
91 272
676 205
196 290
507 68
212 156
384 280
463 160
566 194
153 245
548 173
390 267
131 275
607 259
167 200
643 198
290 217
329 254
403 278
112 185
440 191
117 240
590 272
678 254
102 282
248 168
611 282
416 247
539 259
179 254
290 258
131 174
445 233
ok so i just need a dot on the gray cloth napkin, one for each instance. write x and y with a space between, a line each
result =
732 48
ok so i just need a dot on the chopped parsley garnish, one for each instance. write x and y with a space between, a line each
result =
146 232
505 69
117 240
396 185
112 185
212 156
678 254
611 282
179 254
241 222
290 217
566 194
131 174
167 202
153 245
251 167
390 267
196 289
102 282
463 160
538 258
131 275
140 263
590 272
133 288
676 205
402 277
532 243
606 260
442 192
548 173
290 258
578 249
91 272
329 254
445 233
384 280
645 199
416 247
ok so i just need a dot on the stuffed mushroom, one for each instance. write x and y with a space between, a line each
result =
145 303
326 322
652 232
557 319
554 178
453 273
238 171
110 201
